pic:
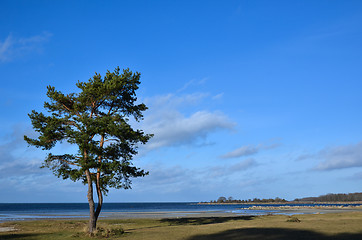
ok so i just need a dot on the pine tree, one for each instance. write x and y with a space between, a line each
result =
96 120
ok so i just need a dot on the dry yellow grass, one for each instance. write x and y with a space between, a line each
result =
321 226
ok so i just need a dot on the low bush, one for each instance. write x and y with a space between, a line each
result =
293 219
107 232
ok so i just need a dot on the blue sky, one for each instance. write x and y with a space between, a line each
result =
246 98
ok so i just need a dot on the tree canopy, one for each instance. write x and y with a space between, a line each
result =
96 120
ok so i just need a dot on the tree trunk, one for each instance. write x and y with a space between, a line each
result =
100 197
92 217
98 183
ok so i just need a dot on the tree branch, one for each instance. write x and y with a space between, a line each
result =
63 160
113 139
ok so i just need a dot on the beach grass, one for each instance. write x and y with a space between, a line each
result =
336 226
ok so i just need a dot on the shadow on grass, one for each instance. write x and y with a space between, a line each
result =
203 220
273 234
19 236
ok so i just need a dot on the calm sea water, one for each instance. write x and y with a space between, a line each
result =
27 211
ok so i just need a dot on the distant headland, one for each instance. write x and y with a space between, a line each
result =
327 198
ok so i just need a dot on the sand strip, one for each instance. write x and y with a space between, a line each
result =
7 229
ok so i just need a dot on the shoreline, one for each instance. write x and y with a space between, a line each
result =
253 211
241 210
283 203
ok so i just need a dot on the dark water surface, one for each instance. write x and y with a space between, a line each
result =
27 211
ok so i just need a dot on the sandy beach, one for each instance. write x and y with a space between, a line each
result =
160 215
282 210
248 211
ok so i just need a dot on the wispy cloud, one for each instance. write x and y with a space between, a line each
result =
340 157
357 176
5 47
336 157
173 128
243 165
218 96
16 47
241 152
172 101
169 179
227 170
15 159
21 173
193 82
181 178
20 166
304 157
247 151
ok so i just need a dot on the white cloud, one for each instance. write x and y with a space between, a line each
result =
167 179
5 48
172 179
341 157
12 47
172 101
241 152
304 157
228 170
22 176
357 176
247 150
218 96
178 129
170 127
16 159
243 165
193 82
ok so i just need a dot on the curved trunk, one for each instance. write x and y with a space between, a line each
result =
100 197
92 217
94 214
98 183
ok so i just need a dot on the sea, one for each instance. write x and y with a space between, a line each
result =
33 211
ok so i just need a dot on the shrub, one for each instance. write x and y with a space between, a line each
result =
107 232
293 219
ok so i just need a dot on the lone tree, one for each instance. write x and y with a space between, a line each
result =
96 120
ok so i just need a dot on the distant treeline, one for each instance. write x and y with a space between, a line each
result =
331 197
255 200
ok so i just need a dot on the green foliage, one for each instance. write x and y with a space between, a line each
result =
96 120
255 200
221 199
332 197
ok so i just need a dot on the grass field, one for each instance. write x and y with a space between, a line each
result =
275 227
